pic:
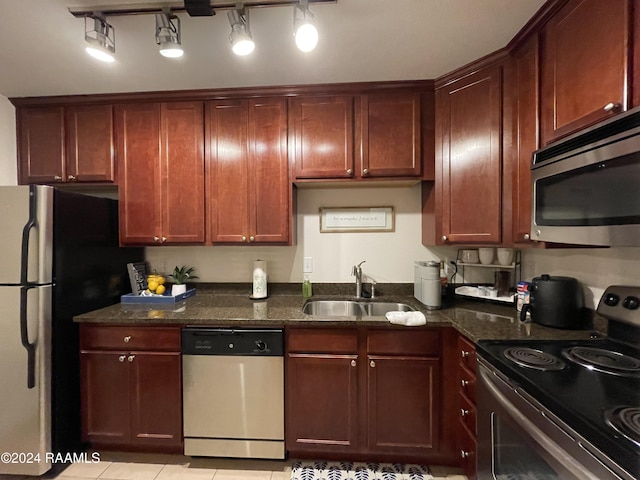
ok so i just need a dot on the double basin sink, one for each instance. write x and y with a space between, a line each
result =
349 308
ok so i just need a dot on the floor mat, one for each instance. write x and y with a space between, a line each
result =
320 470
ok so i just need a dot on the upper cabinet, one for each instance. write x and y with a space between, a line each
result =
586 69
360 136
161 156
66 144
248 171
468 187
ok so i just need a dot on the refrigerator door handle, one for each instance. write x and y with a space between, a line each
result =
31 223
24 336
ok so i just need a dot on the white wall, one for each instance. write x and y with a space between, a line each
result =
8 155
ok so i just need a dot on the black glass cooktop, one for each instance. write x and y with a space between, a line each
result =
581 396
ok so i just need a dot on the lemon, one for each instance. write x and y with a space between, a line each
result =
161 280
160 290
153 285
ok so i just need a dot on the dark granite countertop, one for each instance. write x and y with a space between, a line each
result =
475 320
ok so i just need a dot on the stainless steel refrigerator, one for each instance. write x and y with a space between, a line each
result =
59 257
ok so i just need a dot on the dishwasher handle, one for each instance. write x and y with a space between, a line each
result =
228 341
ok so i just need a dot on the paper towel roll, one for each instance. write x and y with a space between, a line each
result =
259 279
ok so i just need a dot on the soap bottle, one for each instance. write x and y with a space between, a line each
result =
306 287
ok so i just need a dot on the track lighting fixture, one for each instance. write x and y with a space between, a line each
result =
101 38
240 37
168 35
304 29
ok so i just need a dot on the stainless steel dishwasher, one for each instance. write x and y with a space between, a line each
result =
233 392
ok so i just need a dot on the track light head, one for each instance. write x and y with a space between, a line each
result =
101 38
240 37
304 29
168 35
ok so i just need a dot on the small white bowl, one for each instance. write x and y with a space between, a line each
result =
505 256
486 255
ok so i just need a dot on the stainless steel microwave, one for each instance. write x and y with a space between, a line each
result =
586 187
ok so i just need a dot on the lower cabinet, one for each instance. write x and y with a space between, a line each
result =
363 393
131 387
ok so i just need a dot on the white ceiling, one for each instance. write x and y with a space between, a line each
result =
42 45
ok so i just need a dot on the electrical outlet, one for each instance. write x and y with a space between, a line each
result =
307 266
531 269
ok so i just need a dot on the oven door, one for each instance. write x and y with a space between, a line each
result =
518 439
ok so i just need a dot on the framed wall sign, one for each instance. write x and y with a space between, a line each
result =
356 219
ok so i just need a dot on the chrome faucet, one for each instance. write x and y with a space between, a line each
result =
357 272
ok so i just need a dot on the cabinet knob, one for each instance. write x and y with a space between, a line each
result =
127 339
164 239
156 239
365 171
252 238
131 357
244 239
372 364
57 178
444 238
464 353
71 178
527 236
349 171
612 107
464 412
121 358
353 363
464 454
464 383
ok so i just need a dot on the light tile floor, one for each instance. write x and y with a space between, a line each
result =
127 466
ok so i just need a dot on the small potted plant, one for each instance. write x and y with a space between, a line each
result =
180 277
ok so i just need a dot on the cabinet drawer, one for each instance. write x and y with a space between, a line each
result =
467 383
467 353
309 340
467 413
129 338
467 447
396 342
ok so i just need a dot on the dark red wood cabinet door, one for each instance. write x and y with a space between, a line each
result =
90 153
228 171
321 403
269 213
323 136
402 404
585 65
182 170
139 176
390 135
41 145
525 96
469 153
105 397
156 398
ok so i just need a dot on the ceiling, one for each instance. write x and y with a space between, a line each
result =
42 45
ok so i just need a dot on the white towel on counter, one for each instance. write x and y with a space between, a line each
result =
409 319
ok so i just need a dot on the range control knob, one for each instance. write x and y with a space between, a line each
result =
260 345
611 299
631 303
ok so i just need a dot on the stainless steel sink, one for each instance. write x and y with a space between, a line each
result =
348 308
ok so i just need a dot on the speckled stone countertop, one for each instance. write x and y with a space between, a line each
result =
475 320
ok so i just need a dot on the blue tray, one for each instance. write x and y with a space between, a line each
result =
164 299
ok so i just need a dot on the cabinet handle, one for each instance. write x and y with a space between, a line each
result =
365 171
127 339
252 238
611 107
244 239
527 236
464 383
353 363
349 171
121 358
156 239
463 412
57 177
464 353
164 239
464 454
71 178
444 238
372 364
131 357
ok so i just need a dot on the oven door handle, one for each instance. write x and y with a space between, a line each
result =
538 436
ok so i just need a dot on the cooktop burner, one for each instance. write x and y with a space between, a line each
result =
606 361
626 421
532 358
